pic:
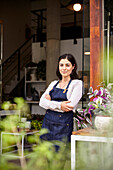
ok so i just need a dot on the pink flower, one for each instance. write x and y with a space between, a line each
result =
94 100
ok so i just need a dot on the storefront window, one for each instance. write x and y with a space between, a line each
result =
1 56
86 51
108 41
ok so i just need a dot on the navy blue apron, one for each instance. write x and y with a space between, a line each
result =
59 124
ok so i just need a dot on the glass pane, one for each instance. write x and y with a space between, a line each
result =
0 40
1 54
108 41
86 50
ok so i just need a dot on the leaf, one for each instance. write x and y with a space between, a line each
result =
109 86
43 131
90 103
6 105
90 96
19 100
90 90
80 110
95 92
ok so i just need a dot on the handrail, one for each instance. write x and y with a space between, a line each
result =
17 56
33 36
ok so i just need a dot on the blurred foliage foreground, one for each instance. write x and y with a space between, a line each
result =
42 155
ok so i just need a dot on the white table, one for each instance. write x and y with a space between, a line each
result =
22 142
88 135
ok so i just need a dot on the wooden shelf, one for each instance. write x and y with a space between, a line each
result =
31 68
31 84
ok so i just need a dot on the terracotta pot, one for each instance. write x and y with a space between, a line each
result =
102 123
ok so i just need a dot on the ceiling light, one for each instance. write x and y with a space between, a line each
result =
77 7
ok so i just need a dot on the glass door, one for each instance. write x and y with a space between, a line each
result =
86 51
1 56
108 41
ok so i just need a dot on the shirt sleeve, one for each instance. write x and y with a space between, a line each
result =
47 104
76 93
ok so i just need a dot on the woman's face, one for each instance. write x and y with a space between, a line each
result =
65 67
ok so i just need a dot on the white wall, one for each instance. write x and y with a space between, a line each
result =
67 46
38 53
14 14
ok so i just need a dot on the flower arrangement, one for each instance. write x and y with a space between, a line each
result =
101 103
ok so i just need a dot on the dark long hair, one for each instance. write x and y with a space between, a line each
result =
70 58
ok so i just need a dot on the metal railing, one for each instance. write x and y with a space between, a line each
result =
17 61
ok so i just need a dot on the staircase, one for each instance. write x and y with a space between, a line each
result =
13 67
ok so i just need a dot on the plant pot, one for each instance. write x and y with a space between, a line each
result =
28 125
102 123
23 119
33 77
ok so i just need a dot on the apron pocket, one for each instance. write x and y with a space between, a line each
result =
60 130
57 131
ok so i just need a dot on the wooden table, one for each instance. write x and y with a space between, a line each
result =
89 135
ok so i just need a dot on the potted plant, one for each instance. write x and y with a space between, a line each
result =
41 70
21 108
100 108
36 122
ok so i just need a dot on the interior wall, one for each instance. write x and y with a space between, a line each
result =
38 53
66 46
40 4
14 14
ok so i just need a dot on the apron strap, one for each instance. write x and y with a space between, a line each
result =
56 84
66 89
53 87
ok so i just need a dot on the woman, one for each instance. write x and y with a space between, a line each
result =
61 99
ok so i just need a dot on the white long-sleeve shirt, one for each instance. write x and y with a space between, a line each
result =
74 94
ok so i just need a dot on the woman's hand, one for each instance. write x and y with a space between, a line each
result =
47 96
65 107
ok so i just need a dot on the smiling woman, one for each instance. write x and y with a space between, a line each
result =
65 68
60 100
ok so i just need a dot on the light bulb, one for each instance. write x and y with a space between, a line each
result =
87 53
77 7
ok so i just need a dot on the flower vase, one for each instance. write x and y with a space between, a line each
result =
93 119
102 123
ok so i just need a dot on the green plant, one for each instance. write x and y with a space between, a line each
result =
41 70
43 155
10 124
101 103
35 124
